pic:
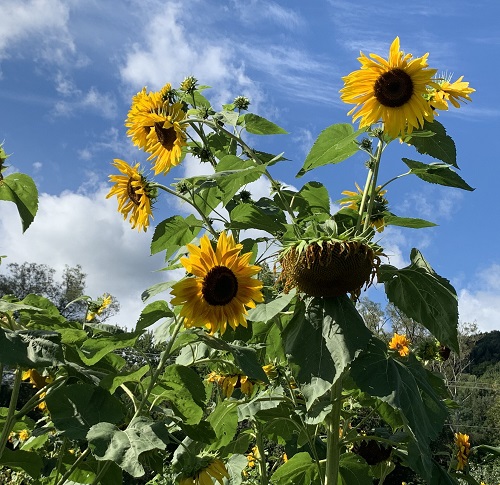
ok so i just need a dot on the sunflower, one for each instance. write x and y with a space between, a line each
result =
221 288
401 344
97 307
450 91
380 205
166 138
463 449
134 194
203 476
392 91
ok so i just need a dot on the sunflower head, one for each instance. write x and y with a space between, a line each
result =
189 84
329 267
400 344
134 193
203 470
448 91
392 91
221 288
462 450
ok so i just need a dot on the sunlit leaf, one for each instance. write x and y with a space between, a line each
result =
20 189
300 468
260 126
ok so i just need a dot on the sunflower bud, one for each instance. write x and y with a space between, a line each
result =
241 102
189 84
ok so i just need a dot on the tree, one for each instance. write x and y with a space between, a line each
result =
34 278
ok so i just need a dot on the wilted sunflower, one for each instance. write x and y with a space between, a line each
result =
134 194
203 476
463 449
229 382
222 287
392 91
450 91
401 344
380 205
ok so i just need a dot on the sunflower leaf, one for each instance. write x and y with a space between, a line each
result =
260 126
300 468
333 145
421 294
415 223
20 189
257 215
440 146
437 173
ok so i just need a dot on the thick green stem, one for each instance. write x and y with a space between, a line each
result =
362 205
159 369
262 455
373 184
73 467
332 436
10 418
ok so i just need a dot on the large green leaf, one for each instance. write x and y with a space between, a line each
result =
421 294
124 448
353 470
173 233
27 461
74 408
437 173
440 145
233 173
260 126
93 350
20 189
152 313
30 348
333 145
224 421
406 389
112 381
300 468
317 198
322 339
253 216
267 311
184 389
414 223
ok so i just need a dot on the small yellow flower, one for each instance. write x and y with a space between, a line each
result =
401 344
285 458
463 450
228 382
253 457
133 193
23 435
215 469
452 92
270 370
96 308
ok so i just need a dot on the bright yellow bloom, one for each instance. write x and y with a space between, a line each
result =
153 125
133 193
452 92
380 205
401 344
391 91
99 306
215 469
228 382
39 382
463 449
23 435
222 287
253 457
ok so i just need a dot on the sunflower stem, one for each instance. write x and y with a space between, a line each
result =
373 184
362 204
332 436
10 418
262 455
159 369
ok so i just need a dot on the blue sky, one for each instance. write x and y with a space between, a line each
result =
68 69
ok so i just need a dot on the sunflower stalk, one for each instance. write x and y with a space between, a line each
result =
333 437
262 455
372 187
10 418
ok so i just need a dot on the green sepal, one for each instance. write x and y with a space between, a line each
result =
21 189
421 294
333 145
437 173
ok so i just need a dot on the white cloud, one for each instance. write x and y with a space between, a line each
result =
38 22
480 301
87 230
94 101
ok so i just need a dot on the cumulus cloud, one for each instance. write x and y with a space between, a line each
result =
479 301
73 229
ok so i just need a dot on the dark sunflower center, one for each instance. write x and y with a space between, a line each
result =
220 286
166 136
394 88
132 193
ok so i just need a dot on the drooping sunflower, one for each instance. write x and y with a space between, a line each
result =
391 91
134 194
203 476
401 344
450 91
380 205
222 286
463 450
229 382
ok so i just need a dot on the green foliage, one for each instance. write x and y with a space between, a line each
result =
20 189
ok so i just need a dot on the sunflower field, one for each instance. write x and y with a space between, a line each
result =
268 373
